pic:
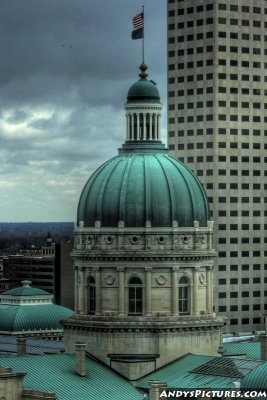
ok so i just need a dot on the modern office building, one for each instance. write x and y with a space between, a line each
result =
217 114
49 268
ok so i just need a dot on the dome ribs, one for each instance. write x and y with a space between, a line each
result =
123 189
172 202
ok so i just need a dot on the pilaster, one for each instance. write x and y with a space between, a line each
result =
148 311
174 305
121 291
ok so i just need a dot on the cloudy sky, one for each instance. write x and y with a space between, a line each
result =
66 66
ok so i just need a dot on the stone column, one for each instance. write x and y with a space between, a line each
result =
132 127
174 304
144 127
148 271
128 126
81 295
155 127
195 290
138 126
150 126
97 290
158 130
209 293
121 291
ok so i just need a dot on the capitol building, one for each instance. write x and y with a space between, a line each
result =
143 252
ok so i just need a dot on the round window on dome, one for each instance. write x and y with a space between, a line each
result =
135 239
109 239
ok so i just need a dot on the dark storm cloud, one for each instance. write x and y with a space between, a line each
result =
66 66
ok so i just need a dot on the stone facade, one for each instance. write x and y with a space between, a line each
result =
143 267
174 316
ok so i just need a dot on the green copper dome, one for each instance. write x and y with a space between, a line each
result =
143 90
143 184
25 291
23 318
256 379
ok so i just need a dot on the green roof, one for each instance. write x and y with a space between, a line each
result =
33 317
58 375
143 185
252 350
179 373
256 379
25 291
143 91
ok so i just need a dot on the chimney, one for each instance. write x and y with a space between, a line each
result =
156 387
80 358
21 346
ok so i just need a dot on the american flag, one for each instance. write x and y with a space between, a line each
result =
138 21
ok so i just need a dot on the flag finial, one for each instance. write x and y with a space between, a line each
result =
143 68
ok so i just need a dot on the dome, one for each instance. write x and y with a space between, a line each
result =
256 379
25 291
142 185
27 308
143 90
23 318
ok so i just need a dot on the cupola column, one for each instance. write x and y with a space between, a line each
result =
174 297
121 291
132 127
155 126
128 127
148 271
144 126
138 126
150 126
158 125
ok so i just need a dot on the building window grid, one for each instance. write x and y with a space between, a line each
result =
256 92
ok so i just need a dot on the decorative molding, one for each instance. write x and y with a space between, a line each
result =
90 239
110 279
202 278
148 269
161 280
135 239
144 257
109 239
162 239
186 239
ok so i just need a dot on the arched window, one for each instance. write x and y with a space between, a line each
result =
91 295
135 296
184 295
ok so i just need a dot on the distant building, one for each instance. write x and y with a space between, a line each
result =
4 285
49 268
64 293
29 311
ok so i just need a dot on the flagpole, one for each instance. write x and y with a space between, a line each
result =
143 38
